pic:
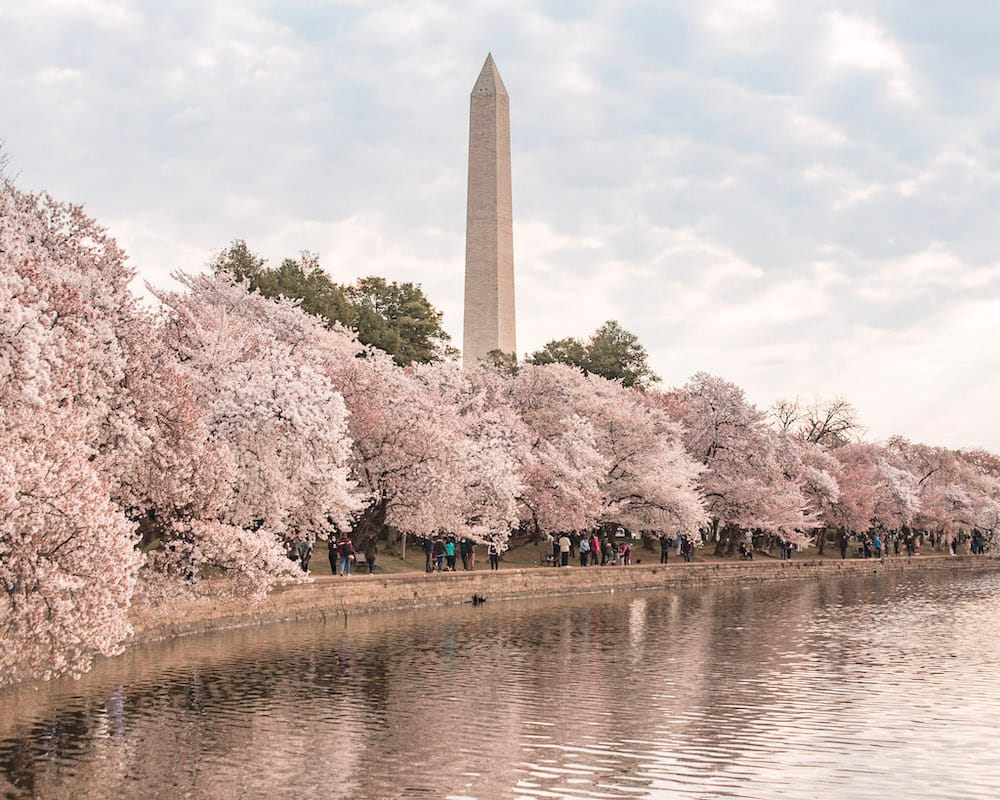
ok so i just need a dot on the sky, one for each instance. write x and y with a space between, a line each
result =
798 196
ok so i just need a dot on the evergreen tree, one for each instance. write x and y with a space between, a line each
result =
394 317
611 352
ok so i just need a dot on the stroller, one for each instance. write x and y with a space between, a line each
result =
746 554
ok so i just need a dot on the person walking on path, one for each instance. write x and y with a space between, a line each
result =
494 553
664 548
428 554
595 549
345 552
564 545
305 553
331 550
584 550
439 554
842 541
449 553
687 548
371 550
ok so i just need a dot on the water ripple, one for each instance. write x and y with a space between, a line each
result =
861 688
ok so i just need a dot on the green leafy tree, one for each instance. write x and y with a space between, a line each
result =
394 317
611 352
239 261
562 351
505 363
399 319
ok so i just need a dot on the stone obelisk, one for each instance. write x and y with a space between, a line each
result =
489 235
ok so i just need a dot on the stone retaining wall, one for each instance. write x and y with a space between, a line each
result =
330 596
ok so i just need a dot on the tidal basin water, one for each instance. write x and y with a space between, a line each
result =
883 687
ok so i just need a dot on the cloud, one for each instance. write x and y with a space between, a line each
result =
801 202
856 43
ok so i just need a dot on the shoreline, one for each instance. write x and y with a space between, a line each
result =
329 596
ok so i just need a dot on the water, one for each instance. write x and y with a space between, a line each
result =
883 687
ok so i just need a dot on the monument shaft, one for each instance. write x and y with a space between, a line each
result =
489 237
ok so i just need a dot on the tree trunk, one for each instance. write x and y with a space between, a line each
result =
820 540
372 520
726 541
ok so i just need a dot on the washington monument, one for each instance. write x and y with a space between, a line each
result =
489 237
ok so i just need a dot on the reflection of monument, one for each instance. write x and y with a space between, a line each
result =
489 237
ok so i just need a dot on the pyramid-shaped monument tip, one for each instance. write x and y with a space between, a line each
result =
489 80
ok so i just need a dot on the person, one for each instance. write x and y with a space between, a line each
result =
679 541
595 549
494 553
555 551
584 550
305 548
345 552
371 550
564 545
439 554
428 554
464 548
331 549
877 545
449 553
626 554
687 548
842 541
746 553
664 548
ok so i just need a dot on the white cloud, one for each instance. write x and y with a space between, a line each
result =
724 178
856 43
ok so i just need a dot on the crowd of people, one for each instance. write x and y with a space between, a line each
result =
882 544
443 553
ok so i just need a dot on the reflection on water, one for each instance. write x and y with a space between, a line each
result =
883 687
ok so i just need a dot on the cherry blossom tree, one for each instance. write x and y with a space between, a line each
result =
830 423
258 369
744 484
640 476
68 564
487 473
561 465
406 446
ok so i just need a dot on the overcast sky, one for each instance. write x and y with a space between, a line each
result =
799 196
